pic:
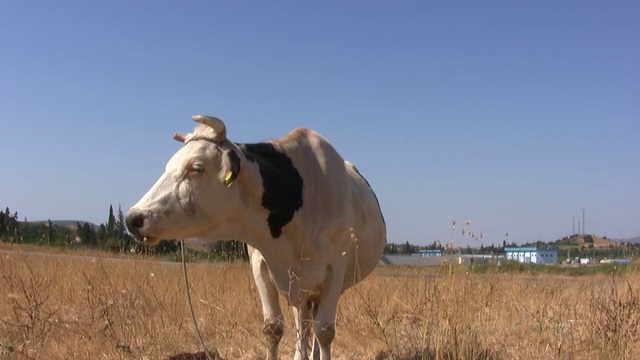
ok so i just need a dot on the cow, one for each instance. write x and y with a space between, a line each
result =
312 223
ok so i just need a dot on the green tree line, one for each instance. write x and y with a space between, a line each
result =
111 235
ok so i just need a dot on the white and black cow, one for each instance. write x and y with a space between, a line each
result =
312 222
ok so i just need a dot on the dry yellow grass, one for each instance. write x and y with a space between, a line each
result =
66 306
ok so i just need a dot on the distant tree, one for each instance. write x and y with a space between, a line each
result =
3 224
91 234
30 233
111 223
121 231
120 227
391 249
406 248
9 226
79 227
3 221
86 234
49 232
113 235
101 236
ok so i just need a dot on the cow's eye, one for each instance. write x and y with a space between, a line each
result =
196 169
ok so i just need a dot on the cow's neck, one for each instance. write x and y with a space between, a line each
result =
283 255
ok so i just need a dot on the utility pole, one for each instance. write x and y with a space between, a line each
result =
584 227
574 226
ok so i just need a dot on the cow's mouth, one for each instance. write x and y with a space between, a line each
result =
149 240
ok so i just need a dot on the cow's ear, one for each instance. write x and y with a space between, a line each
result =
234 167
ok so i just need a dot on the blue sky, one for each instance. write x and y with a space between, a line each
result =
514 115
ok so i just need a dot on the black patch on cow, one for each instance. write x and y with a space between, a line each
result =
281 181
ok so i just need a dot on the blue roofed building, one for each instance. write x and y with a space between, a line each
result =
427 253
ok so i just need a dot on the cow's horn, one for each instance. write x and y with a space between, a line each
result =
216 124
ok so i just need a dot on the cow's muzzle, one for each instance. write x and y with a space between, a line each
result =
136 221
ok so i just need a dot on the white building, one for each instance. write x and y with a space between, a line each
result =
532 255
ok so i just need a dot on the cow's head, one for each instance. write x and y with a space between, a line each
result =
195 189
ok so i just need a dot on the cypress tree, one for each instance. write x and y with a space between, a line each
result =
111 222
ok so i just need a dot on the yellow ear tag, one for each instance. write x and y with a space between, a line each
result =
227 179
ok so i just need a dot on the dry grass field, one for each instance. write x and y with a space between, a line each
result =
84 306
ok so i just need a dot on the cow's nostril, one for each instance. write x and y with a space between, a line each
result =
135 222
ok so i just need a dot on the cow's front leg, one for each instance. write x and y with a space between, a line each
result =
273 319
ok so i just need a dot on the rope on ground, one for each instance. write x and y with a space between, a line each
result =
193 317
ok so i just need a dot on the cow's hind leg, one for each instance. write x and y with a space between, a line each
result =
324 326
273 319
302 317
324 329
315 349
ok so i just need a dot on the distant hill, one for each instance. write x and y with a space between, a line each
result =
633 240
586 240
